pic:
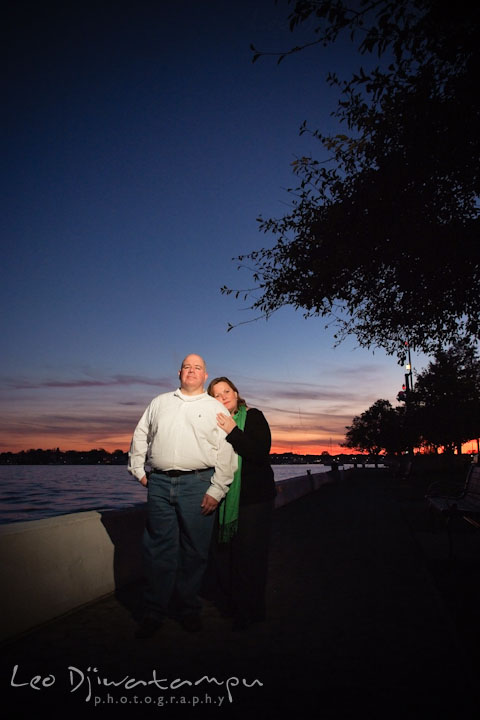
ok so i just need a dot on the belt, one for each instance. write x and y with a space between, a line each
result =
177 473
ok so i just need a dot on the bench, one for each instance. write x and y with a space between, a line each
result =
465 503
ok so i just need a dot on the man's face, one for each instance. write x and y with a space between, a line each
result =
193 375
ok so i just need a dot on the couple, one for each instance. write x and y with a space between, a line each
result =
209 466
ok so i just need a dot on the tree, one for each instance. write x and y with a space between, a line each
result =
378 428
442 411
446 398
383 237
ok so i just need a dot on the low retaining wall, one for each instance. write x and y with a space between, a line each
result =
52 566
294 488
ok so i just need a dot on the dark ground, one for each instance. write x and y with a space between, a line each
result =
367 618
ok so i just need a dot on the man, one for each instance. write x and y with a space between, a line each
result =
191 466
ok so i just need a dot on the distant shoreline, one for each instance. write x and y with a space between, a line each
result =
99 457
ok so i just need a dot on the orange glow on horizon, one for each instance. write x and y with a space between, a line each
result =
64 444
473 446
122 442
299 449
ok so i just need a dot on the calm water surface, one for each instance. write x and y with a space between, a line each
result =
31 492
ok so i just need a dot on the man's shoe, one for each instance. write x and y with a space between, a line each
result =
147 628
191 623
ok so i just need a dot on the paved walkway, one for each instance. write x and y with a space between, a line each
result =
357 628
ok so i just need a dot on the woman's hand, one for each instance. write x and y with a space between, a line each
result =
226 422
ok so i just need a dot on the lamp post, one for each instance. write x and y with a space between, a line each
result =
408 368
408 389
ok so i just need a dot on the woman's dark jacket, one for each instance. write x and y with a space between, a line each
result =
253 445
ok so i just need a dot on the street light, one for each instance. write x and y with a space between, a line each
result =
408 389
408 368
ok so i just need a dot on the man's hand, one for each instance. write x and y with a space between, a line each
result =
209 504
144 481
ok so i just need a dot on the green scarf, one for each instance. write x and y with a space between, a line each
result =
228 510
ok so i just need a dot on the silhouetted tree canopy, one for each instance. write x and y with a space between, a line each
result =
376 430
442 411
446 399
383 238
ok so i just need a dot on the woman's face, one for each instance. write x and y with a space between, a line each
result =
227 396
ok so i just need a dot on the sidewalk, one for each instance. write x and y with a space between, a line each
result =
363 622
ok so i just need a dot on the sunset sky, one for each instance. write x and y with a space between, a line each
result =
140 146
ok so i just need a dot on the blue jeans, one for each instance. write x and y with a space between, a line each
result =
176 543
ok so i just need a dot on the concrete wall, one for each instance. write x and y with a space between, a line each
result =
49 567
52 566
294 488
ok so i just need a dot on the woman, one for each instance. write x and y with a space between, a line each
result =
239 552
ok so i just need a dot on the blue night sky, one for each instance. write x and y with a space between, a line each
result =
140 146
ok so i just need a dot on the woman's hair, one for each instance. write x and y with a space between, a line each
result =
240 400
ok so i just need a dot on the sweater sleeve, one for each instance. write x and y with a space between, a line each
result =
139 446
254 442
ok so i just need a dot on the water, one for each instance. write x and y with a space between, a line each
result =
32 492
